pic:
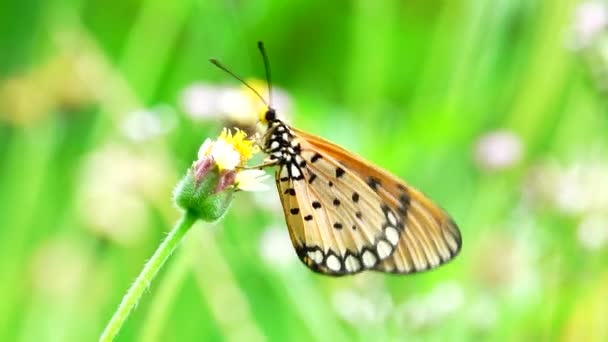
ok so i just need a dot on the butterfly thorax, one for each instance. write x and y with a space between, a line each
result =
283 147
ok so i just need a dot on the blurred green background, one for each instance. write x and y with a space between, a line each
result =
495 109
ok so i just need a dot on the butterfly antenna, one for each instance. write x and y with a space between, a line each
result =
221 66
266 69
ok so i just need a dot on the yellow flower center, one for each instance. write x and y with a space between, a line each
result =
238 140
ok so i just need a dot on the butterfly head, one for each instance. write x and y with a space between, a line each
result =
266 120
269 116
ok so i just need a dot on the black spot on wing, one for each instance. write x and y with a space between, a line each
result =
373 183
339 172
404 203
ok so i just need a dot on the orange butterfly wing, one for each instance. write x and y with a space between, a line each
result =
337 224
429 237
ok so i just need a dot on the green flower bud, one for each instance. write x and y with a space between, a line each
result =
205 191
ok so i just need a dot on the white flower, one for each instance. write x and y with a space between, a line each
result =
237 106
593 231
229 150
483 312
121 184
202 101
205 149
225 155
498 150
363 308
443 301
145 124
590 21
251 180
59 268
573 188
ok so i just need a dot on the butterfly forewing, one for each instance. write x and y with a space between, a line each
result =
337 224
427 236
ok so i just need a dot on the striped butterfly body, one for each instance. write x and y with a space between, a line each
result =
346 215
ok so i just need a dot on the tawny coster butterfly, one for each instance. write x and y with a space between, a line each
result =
344 214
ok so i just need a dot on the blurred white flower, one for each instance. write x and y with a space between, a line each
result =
443 300
483 312
59 269
276 247
498 150
361 308
573 188
116 186
590 22
446 298
514 273
569 192
593 231
201 101
145 124
237 106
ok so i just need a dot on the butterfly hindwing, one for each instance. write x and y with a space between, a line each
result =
428 237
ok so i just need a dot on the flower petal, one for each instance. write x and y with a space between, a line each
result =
225 156
251 180
254 187
203 151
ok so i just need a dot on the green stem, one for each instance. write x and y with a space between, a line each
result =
147 275
165 294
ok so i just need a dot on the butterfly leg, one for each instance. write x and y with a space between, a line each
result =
266 163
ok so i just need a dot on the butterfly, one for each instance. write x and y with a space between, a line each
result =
344 214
